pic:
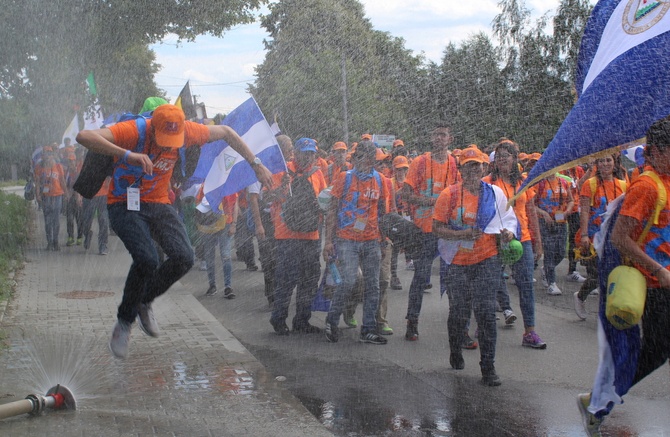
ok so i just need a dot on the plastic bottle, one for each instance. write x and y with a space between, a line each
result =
334 272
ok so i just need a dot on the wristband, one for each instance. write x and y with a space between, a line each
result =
125 156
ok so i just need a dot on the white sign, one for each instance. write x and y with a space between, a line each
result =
383 141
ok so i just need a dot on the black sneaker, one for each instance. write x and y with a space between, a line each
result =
490 379
469 343
332 333
279 327
395 283
373 338
412 333
307 329
252 267
456 361
228 293
211 291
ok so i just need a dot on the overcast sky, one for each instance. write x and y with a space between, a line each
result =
220 68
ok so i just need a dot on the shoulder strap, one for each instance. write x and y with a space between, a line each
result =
622 183
661 201
347 183
593 184
141 124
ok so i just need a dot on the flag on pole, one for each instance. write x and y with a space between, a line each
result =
93 118
185 102
223 170
621 82
71 131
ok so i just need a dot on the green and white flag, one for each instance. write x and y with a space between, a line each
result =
93 116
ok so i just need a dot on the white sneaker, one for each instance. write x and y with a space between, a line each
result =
510 317
594 292
575 277
553 290
580 307
147 320
203 266
120 339
544 280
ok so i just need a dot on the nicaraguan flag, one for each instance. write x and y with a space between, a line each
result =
223 170
71 131
622 83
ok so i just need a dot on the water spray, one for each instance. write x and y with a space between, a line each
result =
57 398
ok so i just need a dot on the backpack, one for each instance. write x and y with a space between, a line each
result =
301 211
97 167
404 234
29 190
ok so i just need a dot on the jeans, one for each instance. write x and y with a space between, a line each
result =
99 204
573 227
474 287
73 213
298 266
51 206
423 264
224 241
147 278
266 252
351 255
522 272
553 244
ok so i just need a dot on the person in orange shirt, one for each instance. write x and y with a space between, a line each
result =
428 175
339 164
553 201
138 206
400 168
352 232
473 274
575 173
74 204
298 264
50 187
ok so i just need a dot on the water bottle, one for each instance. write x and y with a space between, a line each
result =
334 273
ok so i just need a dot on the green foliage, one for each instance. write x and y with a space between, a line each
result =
14 219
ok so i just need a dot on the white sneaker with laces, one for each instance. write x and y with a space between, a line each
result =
120 339
544 279
510 317
594 292
147 320
580 306
553 290
575 277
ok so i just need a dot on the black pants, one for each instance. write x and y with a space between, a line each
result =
573 227
655 349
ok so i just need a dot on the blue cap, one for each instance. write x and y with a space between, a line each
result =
305 145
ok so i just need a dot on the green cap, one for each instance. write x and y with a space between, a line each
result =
511 253
152 103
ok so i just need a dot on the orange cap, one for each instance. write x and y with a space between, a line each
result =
400 162
340 145
366 137
472 154
380 155
456 152
535 156
168 123
398 143
523 156
47 149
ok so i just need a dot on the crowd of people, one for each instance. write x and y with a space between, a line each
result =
446 193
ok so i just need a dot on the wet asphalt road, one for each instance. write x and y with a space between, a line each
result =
408 388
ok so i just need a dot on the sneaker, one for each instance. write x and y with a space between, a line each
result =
211 291
351 322
395 283
70 242
386 330
55 247
590 421
510 317
332 333
456 361
580 306
203 266
553 290
252 267
533 340
80 241
575 277
228 293
427 287
87 240
505 276
594 292
469 343
409 265
412 333
120 339
49 246
544 279
103 250
372 338
490 379
147 320
306 328
280 327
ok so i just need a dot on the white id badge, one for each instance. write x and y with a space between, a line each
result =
359 225
45 190
559 216
467 244
133 195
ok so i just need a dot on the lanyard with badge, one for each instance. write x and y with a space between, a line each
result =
133 191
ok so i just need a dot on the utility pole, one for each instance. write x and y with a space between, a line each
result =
344 100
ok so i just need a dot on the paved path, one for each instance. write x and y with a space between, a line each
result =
196 379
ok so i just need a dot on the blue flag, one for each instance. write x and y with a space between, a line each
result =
222 169
622 83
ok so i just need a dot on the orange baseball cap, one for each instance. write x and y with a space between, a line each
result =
47 149
400 162
535 156
472 154
366 137
168 123
523 155
340 145
380 155
398 143
456 152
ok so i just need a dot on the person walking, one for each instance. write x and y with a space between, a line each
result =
139 207
49 192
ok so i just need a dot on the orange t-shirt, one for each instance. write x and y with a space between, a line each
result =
519 204
429 178
154 188
458 207
576 173
402 207
360 205
334 170
49 180
553 195
640 204
606 191
282 232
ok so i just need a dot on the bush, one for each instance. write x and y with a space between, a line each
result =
14 222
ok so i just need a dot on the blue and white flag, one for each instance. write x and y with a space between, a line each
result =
222 169
622 83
